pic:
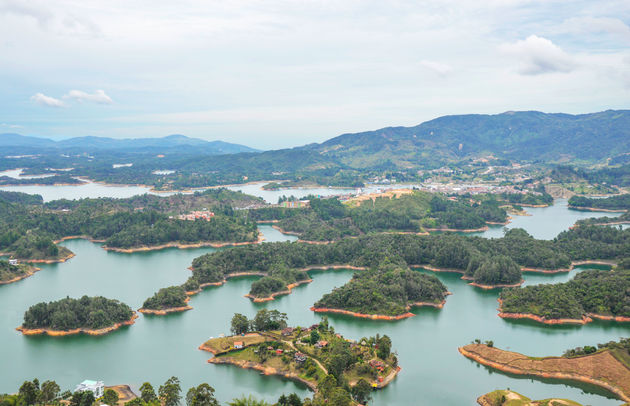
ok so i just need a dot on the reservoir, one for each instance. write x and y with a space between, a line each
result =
155 348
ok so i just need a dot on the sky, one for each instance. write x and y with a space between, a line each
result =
282 73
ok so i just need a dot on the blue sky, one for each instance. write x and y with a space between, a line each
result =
280 73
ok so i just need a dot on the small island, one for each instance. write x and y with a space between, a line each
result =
167 300
607 366
316 356
511 398
386 293
591 294
11 271
619 203
89 315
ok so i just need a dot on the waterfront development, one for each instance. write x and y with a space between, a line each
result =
157 347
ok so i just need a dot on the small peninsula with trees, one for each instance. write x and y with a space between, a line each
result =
167 300
90 315
340 371
591 294
605 365
384 293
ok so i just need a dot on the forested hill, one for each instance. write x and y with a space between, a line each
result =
524 135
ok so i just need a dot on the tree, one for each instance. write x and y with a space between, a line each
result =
147 393
170 392
240 324
135 402
87 398
110 397
314 337
362 391
29 392
339 397
202 395
248 401
49 392
384 347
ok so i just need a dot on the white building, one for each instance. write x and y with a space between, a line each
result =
13 262
96 387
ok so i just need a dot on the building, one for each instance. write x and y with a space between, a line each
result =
299 357
13 262
321 344
197 215
238 344
96 387
288 331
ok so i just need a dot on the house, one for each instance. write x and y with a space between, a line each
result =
377 364
321 344
279 351
238 344
299 357
13 262
288 331
96 387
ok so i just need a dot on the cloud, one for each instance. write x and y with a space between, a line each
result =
98 96
539 55
587 25
11 125
441 69
47 101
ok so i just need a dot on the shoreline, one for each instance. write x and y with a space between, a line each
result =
468 278
597 209
280 293
49 261
262 369
179 245
573 376
586 318
88 331
381 316
29 272
165 311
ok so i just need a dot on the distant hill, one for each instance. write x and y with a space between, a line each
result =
179 143
525 135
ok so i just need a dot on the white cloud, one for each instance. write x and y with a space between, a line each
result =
98 96
587 25
539 55
441 69
47 101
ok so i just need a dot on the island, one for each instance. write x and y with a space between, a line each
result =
511 398
384 293
11 271
591 294
607 366
316 356
89 315
30 230
167 300
618 203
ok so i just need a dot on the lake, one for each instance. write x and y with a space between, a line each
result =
154 348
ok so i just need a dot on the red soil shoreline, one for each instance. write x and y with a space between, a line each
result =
597 209
29 272
163 312
92 332
550 375
381 316
260 239
280 293
586 318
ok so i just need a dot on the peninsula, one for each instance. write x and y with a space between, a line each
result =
12 272
167 300
315 356
511 398
607 367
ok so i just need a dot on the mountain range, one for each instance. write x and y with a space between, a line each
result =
183 144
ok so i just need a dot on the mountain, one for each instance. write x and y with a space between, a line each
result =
525 135
90 144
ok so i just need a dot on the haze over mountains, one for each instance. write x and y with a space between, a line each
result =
179 143
523 136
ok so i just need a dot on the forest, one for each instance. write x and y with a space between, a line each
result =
619 202
330 220
601 292
28 228
494 261
166 298
389 290
67 314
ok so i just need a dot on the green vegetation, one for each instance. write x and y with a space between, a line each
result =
9 272
329 219
28 231
620 202
35 393
166 298
265 320
389 290
592 291
511 398
68 314
51 180
619 349
486 261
